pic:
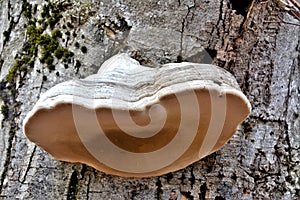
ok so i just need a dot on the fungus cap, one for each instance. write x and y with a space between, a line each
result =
136 121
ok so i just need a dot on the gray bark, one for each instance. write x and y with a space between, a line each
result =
261 161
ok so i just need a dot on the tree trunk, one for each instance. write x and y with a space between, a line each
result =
250 39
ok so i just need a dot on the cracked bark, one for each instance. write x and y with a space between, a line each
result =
261 161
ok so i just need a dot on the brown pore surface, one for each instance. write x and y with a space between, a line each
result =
237 112
142 145
55 131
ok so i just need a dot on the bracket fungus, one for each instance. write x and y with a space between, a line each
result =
136 121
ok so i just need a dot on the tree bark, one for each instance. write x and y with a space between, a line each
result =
251 40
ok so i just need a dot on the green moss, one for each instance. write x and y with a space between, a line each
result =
22 68
11 74
33 33
13 71
31 22
25 60
49 60
43 39
4 111
19 66
33 50
52 20
68 54
27 9
45 11
59 52
31 63
56 33
47 44
44 56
